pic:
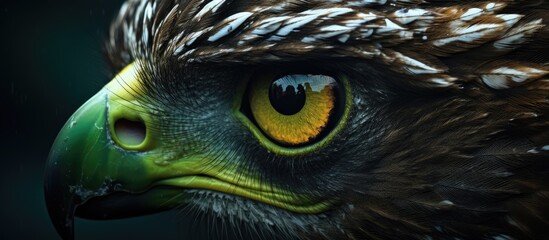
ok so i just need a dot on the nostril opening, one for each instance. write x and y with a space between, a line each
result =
130 132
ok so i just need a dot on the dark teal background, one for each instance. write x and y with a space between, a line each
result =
52 62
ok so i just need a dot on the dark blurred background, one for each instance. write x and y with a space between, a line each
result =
52 62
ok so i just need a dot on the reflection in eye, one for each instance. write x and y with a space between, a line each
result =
287 95
295 109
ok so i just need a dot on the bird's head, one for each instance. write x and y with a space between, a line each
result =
316 119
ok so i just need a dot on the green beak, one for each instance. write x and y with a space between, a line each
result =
85 164
92 174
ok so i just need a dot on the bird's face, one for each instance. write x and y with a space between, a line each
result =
291 126
156 137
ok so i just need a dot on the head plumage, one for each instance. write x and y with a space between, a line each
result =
438 44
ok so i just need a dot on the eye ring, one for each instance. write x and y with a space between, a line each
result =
243 112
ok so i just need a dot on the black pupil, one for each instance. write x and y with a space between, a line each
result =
287 95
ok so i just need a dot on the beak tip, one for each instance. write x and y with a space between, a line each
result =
59 202
61 210
66 229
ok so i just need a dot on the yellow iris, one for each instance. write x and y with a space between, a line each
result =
304 125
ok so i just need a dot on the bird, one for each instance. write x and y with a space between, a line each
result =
316 119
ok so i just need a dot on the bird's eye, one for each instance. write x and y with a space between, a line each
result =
295 110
